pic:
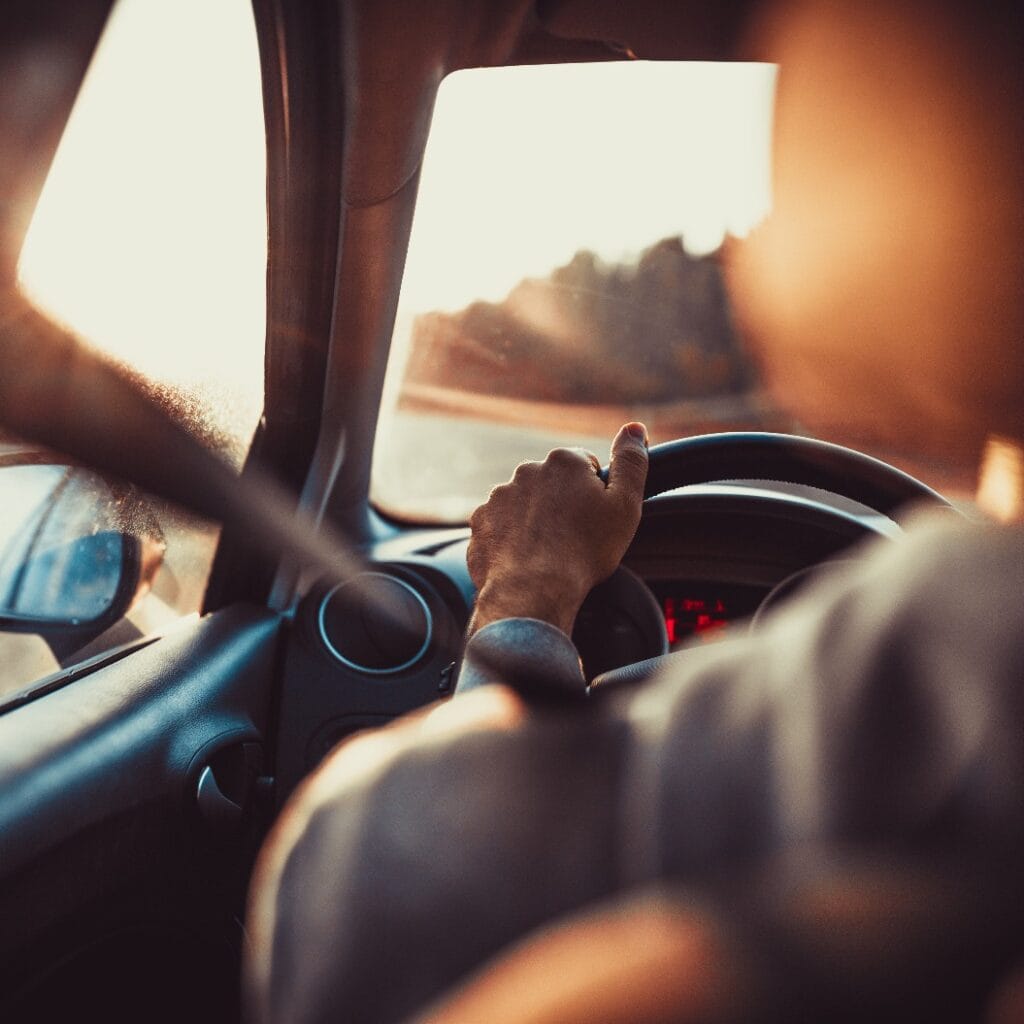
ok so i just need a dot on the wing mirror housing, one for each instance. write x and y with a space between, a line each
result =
76 552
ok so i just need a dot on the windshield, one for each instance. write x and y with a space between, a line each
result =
565 272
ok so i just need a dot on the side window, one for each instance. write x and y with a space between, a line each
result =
149 243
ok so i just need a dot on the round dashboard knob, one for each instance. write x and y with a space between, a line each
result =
375 623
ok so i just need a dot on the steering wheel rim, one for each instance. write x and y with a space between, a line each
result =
782 458
785 458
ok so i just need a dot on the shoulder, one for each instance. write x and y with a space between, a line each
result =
882 700
430 844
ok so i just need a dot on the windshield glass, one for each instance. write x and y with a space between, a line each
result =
565 272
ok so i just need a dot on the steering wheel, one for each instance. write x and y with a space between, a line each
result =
782 458
785 458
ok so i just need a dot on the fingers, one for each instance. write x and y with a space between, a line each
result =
627 472
573 459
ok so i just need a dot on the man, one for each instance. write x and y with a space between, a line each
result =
820 821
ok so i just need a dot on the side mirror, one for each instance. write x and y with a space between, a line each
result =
76 552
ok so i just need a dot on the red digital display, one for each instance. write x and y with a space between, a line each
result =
685 616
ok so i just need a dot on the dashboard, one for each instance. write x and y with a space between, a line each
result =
706 561
696 610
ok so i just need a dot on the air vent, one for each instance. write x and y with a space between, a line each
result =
375 623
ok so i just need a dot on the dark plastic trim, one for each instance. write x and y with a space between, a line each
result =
366 670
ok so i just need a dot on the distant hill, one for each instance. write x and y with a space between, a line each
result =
655 330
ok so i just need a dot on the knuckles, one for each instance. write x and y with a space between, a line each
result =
570 458
497 496
524 471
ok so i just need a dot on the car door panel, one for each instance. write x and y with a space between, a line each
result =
101 834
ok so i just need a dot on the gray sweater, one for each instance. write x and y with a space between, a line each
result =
878 716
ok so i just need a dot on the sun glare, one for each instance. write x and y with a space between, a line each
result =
525 166
149 239
546 298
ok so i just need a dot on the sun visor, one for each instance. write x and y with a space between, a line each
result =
651 29
396 54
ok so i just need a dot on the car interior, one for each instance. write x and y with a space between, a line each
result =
140 774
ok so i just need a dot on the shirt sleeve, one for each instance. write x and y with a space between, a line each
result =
533 657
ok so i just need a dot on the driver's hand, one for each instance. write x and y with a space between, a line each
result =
541 541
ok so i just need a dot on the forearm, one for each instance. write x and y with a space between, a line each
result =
548 599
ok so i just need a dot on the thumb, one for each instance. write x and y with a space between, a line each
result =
627 470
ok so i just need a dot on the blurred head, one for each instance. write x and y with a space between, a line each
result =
884 293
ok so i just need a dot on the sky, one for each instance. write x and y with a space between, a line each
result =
525 166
